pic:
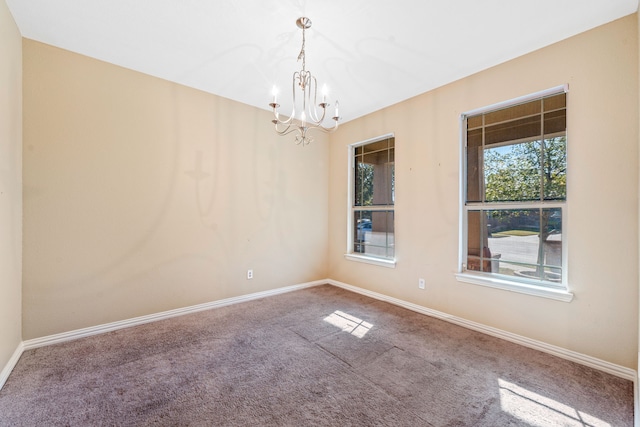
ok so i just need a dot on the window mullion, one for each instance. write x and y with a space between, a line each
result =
533 204
481 162
542 152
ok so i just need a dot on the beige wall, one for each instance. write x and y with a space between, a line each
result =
141 196
601 68
10 185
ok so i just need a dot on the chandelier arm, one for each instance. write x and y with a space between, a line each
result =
277 119
275 106
286 130
282 122
296 76
325 129
313 110
314 113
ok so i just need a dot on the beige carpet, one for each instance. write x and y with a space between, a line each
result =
320 356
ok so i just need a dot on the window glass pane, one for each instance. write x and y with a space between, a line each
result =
514 240
514 130
381 240
555 168
512 172
474 153
518 248
514 112
513 166
474 236
376 175
374 233
555 102
474 121
555 122
551 221
376 146
363 183
362 226
476 241
474 138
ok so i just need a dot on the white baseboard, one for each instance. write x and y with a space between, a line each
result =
602 365
108 327
13 361
611 368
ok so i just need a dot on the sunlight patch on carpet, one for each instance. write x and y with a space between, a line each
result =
348 323
540 411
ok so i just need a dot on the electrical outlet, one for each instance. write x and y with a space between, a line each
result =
421 283
249 274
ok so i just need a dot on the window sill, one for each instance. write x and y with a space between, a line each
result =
382 262
523 288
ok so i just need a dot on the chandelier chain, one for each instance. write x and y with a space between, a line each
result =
302 54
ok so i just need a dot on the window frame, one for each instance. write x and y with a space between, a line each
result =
520 285
351 208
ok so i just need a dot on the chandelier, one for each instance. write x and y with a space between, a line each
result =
307 112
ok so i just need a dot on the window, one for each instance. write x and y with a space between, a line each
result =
372 198
515 191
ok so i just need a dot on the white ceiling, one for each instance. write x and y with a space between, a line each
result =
370 53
